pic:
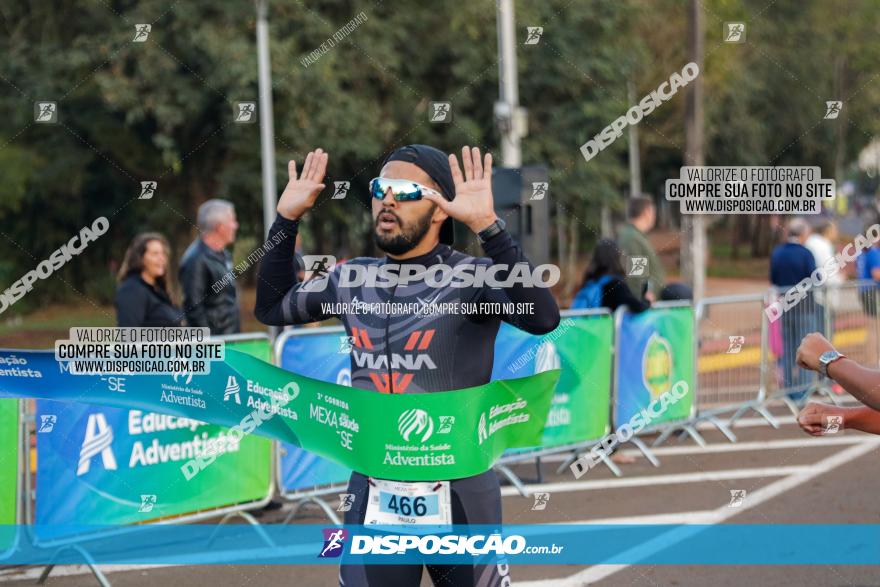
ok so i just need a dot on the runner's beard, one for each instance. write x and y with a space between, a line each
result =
408 236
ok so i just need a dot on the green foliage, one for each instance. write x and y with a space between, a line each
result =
162 110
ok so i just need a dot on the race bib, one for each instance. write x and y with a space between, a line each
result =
396 503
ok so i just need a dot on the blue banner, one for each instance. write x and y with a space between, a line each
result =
321 356
515 544
98 464
110 465
655 351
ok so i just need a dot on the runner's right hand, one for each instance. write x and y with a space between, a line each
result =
813 419
300 193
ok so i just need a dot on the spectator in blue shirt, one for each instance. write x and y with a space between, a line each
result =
790 263
868 266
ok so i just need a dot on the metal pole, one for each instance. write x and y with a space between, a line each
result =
694 264
267 126
508 85
635 175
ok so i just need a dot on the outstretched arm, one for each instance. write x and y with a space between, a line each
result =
281 299
473 206
815 418
539 313
862 383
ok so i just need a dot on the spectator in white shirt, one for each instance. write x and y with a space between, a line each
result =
821 243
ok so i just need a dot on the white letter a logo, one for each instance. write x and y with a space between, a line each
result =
99 437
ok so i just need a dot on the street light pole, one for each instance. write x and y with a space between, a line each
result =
267 124
635 174
693 246
267 127
507 108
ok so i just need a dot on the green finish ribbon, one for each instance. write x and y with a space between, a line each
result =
410 437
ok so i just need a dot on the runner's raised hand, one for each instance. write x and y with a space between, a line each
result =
301 192
473 203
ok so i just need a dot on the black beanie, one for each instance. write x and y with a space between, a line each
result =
435 163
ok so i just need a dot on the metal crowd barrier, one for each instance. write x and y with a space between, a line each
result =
852 321
682 425
730 357
746 361
728 351
845 313
686 426
79 543
787 382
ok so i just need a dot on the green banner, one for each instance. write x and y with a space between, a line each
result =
256 347
580 410
9 455
259 449
414 437
582 348
248 474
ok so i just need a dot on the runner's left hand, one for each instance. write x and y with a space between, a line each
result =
473 204
811 348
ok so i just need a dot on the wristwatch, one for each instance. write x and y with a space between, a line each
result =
826 359
491 230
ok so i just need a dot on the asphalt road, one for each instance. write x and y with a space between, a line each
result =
788 478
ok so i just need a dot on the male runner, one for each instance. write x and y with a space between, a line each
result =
419 193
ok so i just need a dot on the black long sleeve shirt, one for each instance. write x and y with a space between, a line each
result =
408 352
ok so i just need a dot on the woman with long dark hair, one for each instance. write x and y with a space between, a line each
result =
143 296
603 285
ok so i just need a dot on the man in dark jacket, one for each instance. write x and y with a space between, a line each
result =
633 240
790 263
210 297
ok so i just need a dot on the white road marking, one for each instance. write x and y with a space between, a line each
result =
598 572
803 442
653 480
698 517
34 572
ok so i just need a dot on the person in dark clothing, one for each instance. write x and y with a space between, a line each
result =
210 297
414 201
790 263
604 284
142 296
632 237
